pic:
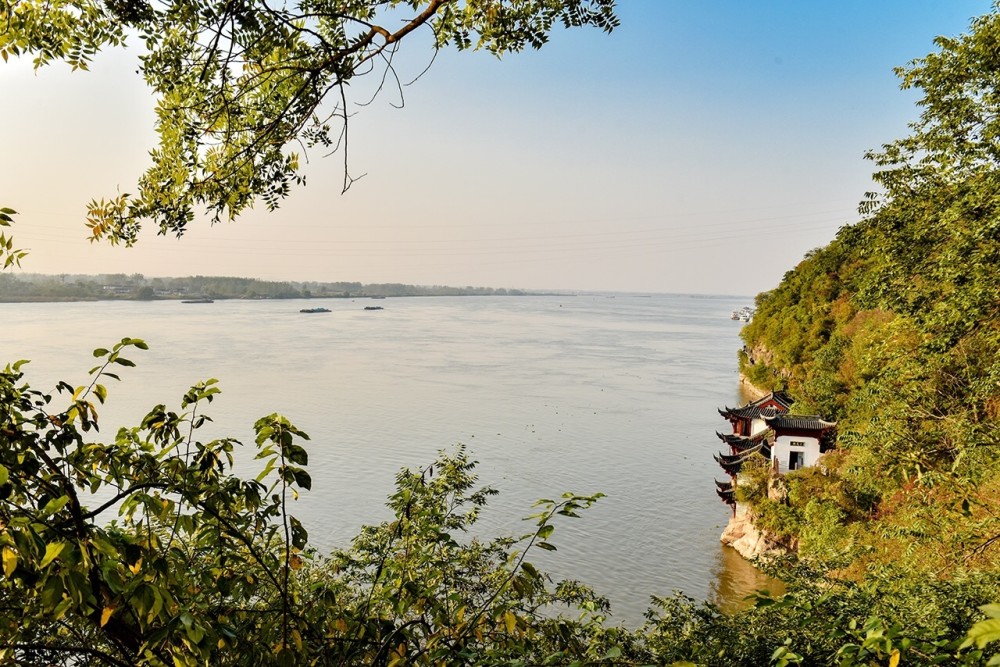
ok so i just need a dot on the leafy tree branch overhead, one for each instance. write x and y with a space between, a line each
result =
243 88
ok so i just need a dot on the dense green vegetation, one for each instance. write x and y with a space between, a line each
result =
894 330
142 547
34 287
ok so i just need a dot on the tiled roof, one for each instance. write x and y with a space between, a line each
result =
760 407
800 422
745 441
732 463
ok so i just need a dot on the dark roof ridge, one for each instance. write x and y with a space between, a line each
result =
799 421
779 396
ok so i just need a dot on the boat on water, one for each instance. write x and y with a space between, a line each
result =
315 310
744 314
198 301
374 308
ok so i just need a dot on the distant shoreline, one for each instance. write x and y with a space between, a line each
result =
41 288
188 299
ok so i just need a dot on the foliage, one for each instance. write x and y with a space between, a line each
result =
238 86
149 550
822 620
894 328
9 255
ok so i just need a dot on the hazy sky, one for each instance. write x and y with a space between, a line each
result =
703 147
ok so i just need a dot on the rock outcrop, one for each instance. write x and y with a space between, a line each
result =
750 542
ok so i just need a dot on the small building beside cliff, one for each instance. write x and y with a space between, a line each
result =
766 428
799 441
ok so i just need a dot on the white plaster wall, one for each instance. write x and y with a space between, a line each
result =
783 447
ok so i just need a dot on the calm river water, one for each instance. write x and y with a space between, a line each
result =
616 394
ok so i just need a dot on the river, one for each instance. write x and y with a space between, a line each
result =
610 393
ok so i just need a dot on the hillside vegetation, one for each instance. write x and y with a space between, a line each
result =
893 329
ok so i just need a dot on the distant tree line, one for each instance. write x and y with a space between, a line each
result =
67 287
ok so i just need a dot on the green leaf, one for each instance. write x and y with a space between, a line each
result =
302 478
297 454
267 469
300 537
52 551
983 633
55 505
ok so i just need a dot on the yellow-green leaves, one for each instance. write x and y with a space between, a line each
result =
68 30
9 256
239 88
55 505
9 557
986 631
52 551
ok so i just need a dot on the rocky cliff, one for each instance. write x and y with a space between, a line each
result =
748 540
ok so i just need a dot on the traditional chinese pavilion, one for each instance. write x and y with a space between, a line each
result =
764 427
749 419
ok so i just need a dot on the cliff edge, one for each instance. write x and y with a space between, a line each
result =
748 540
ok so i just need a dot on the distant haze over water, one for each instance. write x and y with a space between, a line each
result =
610 393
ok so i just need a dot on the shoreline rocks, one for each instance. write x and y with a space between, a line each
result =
750 542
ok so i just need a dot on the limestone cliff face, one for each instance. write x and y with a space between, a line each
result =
751 543
760 355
